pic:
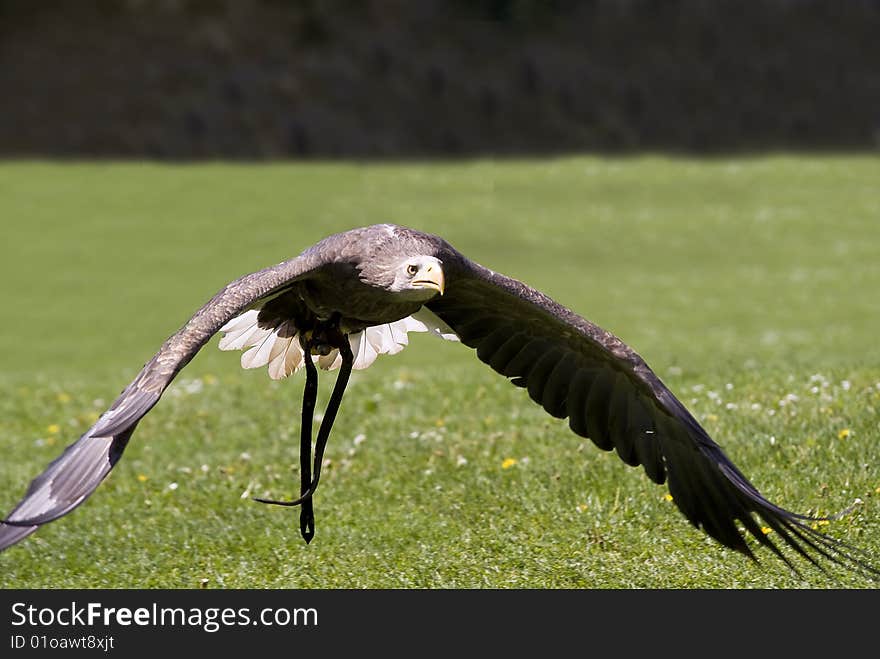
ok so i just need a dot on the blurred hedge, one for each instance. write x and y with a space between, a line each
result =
268 78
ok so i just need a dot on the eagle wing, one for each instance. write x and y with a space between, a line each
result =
575 369
75 474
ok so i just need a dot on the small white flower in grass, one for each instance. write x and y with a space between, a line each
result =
460 461
772 440
359 439
205 469
172 486
193 386
846 384
770 337
245 456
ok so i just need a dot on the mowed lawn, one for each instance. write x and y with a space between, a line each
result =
750 285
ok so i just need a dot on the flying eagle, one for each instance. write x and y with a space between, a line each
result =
355 295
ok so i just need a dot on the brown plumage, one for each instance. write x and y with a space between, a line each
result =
367 279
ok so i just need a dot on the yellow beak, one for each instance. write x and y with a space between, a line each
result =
430 276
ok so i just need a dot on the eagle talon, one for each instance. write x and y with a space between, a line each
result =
307 526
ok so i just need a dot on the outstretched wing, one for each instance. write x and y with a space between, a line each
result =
75 474
577 370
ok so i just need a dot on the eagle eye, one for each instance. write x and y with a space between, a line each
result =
412 269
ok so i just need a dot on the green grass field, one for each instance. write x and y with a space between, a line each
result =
749 285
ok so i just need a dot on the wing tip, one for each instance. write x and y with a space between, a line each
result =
12 533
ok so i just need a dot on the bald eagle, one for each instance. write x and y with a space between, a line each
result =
356 295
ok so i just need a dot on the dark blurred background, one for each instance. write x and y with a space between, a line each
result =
255 79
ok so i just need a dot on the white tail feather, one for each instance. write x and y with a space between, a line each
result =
329 362
258 355
425 320
242 331
247 319
286 355
280 349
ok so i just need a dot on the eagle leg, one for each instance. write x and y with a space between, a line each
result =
307 488
308 481
310 395
340 342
